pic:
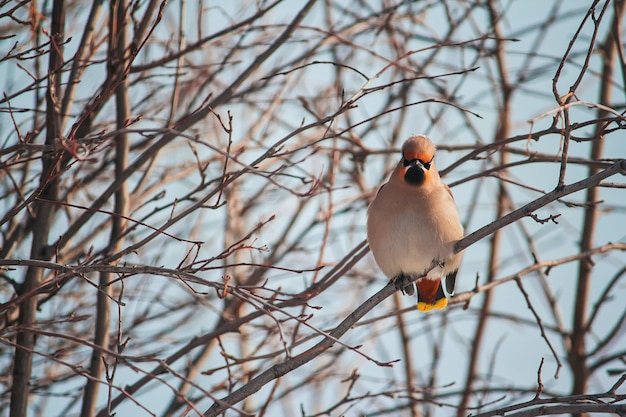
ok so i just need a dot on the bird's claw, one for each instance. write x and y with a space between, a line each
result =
404 284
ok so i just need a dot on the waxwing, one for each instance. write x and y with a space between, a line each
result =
412 226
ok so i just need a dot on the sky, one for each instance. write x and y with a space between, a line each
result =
514 350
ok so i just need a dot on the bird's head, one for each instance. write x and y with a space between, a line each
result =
417 166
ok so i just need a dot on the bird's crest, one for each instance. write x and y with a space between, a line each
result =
418 147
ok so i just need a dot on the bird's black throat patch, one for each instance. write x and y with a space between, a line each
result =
414 175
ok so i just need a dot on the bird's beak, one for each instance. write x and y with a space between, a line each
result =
414 172
415 164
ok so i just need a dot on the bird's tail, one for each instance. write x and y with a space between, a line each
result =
430 295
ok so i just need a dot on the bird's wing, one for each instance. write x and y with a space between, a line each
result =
451 282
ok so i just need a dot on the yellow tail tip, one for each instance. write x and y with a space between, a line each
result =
437 305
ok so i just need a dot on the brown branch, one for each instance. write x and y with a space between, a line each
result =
566 404
278 370
310 150
186 123
293 363
604 297
76 369
464 297
587 183
619 409
118 215
118 39
405 342
503 202
577 354
559 365
42 223
78 61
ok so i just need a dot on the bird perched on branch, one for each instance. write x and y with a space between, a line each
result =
412 226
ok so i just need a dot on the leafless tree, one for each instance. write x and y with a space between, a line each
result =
184 189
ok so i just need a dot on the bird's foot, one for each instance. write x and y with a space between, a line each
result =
404 284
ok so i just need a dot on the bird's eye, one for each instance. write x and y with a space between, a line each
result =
407 162
427 164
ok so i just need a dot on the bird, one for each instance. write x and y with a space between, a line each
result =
412 226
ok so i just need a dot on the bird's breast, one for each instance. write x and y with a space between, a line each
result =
404 236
